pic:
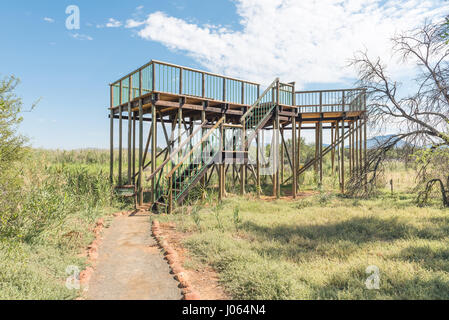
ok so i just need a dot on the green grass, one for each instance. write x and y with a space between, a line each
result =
46 223
320 247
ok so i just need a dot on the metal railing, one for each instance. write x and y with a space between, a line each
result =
261 107
163 77
345 100
183 174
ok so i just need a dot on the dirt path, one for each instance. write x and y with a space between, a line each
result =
130 266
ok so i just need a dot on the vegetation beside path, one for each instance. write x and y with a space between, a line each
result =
320 247
46 221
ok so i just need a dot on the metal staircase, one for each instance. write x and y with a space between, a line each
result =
186 165
259 113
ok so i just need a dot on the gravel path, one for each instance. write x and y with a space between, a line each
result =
130 265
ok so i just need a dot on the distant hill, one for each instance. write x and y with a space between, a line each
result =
376 141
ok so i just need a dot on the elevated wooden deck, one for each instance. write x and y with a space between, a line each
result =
170 87
227 117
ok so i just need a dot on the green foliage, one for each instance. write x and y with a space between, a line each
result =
237 219
445 31
11 150
216 210
56 204
433 165
304 250
196 217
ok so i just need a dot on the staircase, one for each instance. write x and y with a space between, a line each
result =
259 113
186 165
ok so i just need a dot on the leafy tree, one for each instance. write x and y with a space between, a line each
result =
11 152
10 108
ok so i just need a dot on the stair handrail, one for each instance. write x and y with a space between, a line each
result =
176 151
271 86
195 147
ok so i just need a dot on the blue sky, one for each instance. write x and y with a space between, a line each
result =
255 40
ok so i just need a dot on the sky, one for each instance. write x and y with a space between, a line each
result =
309 42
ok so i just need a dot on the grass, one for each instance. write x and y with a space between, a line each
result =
313 248
61 196
320 247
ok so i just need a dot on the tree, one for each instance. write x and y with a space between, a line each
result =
423 116
445 28
11 151
10 108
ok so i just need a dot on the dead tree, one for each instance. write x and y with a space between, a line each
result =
423 196
422 117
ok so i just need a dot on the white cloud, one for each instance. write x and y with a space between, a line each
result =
49 20
112 23
81 37
303 41
139 8
131 23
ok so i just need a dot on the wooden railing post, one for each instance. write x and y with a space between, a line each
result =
203 85
243 92
140 82
181 71
224 89
153 77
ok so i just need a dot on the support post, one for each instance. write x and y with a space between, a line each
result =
130 81
356 151
317 142
277 183
365 158
242 165
282 159
278 186
140 187
333 149
120 146
350 148
360 148
342 156
258 164
294 162
111 146
321 152
153 151
337 151
298 160
320 138
129 144
203 179
222 164
134 149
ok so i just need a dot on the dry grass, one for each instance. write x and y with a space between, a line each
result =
320 247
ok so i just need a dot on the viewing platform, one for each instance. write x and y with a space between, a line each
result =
170 86
214 129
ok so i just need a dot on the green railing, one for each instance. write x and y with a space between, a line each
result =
261 108
164 77
180 144
345 100
206 145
